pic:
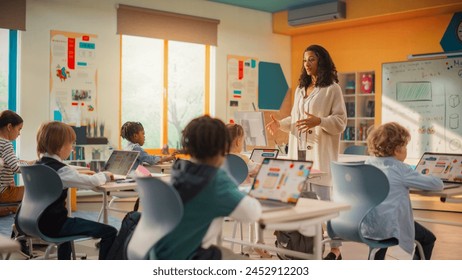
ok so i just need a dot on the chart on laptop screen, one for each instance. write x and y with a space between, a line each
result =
280 179
448 167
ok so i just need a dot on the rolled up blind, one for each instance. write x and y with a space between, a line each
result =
13 14
166 25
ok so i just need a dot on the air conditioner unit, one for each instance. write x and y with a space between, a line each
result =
316 13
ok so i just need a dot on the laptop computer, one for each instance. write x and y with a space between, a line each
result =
447 167
258 154
279 182
120 163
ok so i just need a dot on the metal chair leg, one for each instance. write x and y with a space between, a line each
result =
372 252
420 249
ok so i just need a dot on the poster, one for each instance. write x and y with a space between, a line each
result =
242 88
73 77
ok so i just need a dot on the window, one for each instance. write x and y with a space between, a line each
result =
8 73
4 64
164 86
8 68
186 71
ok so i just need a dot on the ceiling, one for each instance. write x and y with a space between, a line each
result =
270 6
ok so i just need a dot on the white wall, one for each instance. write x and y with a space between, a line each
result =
241 32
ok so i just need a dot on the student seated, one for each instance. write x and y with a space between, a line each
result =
133 132
236 133
208 195
10 129
54 144
393 218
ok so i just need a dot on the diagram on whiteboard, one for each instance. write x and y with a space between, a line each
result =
424 96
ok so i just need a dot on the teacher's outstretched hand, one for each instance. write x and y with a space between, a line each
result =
311 121
273 125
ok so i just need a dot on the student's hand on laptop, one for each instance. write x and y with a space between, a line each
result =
109 175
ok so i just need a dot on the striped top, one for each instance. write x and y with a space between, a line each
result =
10 163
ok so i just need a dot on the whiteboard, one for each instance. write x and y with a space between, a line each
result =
425 97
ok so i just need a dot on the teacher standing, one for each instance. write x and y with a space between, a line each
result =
317 119
318 114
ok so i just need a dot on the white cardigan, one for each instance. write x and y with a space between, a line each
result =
326 103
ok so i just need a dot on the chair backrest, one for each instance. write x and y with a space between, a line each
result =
236 167
355 150
162 211
42 187
363 187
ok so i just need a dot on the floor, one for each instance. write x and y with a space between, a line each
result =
447 246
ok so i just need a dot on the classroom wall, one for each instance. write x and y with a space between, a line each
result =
241 31
365 48
373 33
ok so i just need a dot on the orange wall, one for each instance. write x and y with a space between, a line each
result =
366 47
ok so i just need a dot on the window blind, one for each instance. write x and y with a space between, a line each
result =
13 14
166 25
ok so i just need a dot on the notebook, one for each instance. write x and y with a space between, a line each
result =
120 163
279 182
258 154
447 167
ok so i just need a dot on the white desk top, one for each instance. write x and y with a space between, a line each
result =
305 209
351 158
114 186
443 193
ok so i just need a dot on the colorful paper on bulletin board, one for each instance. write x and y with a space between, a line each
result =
73 79
242 86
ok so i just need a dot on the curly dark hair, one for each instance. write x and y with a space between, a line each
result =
205 137
129 129
383 141
327 72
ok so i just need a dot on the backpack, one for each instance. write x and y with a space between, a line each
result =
118 248
294 240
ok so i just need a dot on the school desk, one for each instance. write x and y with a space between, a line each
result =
451 195
307 217
111 187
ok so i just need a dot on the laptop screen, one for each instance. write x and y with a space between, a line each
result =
447 167
258 154
120 162
280 179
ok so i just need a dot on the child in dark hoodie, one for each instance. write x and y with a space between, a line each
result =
208 195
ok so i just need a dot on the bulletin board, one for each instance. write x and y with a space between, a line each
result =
73 77
242 85
425 97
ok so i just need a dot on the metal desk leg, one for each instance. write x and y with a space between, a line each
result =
317 248
105 208
69 202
